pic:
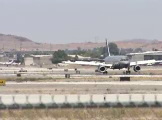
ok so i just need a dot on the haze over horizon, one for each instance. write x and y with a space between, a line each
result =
68 21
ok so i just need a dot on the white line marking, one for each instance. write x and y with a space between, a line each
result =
88 83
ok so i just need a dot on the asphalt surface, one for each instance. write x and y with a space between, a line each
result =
83 71
75 86
81 87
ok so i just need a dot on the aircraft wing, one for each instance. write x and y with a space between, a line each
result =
15 63
92 63
1 63
144 62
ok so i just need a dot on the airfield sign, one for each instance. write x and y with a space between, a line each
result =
2 82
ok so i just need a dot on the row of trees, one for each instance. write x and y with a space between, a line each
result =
59 56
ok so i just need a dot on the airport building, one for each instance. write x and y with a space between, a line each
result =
150 55
38 60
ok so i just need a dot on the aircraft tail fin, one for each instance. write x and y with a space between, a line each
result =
107 47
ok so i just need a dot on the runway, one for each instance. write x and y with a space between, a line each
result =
45 81
147 70
135 83
81 87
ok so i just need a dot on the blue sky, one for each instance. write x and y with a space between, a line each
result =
66 21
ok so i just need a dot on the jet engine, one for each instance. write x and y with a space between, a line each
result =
136 68
102 69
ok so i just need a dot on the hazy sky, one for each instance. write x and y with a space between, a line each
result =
66 21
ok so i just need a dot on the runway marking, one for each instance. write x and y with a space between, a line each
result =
146 83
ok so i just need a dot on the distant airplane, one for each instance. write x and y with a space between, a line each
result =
10 62
114 62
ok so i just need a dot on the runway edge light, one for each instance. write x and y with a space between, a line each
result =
2 82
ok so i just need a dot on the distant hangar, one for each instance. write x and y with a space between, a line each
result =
38 60
150 55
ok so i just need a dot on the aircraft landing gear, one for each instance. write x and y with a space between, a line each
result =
105 73
127 72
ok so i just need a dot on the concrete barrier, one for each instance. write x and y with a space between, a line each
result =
111 99
20 99
74 100
124 99
7 99
85 99
59 99
35 100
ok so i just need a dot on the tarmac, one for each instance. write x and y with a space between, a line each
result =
53 81
82 87
135 83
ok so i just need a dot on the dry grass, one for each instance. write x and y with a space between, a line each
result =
84 114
